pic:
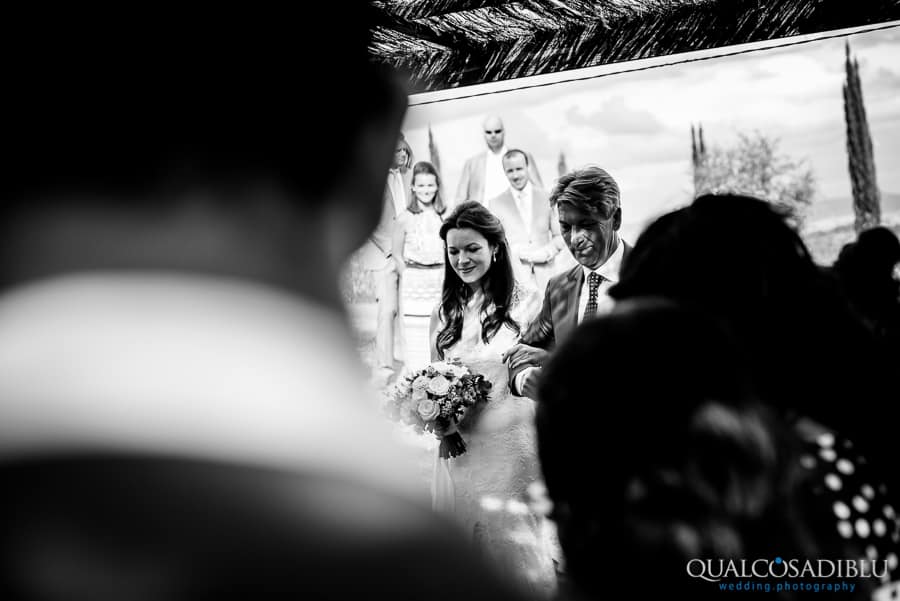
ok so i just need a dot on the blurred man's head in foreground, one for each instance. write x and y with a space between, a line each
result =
197 150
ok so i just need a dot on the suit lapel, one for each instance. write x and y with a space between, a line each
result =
569 295
570 313
510 206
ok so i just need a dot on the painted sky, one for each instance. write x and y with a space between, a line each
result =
637 125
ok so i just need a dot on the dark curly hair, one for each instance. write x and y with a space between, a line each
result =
498 283
706 470
737 259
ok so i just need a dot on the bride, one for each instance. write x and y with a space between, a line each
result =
481 314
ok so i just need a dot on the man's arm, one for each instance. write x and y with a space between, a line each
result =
540 335
524 363
398 242
526 382
540 332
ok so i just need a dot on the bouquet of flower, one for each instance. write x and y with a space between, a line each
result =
435 399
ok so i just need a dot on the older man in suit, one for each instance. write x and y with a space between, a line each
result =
589 217
483 176
530 221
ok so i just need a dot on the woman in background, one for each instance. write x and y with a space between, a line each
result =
418 250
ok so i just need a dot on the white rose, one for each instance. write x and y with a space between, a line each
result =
428 409
439 385
419 395
420 383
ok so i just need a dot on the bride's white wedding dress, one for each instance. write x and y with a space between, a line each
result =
489 492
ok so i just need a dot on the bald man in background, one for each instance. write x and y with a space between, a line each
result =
483 176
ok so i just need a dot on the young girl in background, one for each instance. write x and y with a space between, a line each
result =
418 248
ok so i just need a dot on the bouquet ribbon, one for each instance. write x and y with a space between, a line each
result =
452 445
443 492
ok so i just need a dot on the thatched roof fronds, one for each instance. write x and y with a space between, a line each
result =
450 43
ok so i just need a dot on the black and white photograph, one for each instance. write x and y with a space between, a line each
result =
382 305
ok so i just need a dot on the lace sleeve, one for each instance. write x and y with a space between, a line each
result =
526 304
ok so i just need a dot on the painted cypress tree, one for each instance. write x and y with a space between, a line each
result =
698 155
561 168
866 198
702 143
433 151
693 146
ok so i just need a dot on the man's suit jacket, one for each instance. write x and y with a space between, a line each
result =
541 238
471 183
559 313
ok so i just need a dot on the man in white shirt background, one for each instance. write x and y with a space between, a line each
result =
530 221
590 216
483 176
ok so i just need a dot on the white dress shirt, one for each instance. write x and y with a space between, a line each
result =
495 180
524 203
609 272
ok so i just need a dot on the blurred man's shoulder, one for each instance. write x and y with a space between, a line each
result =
232 528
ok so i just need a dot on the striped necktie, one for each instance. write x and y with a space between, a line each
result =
593 287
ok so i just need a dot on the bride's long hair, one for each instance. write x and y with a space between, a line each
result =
498 283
